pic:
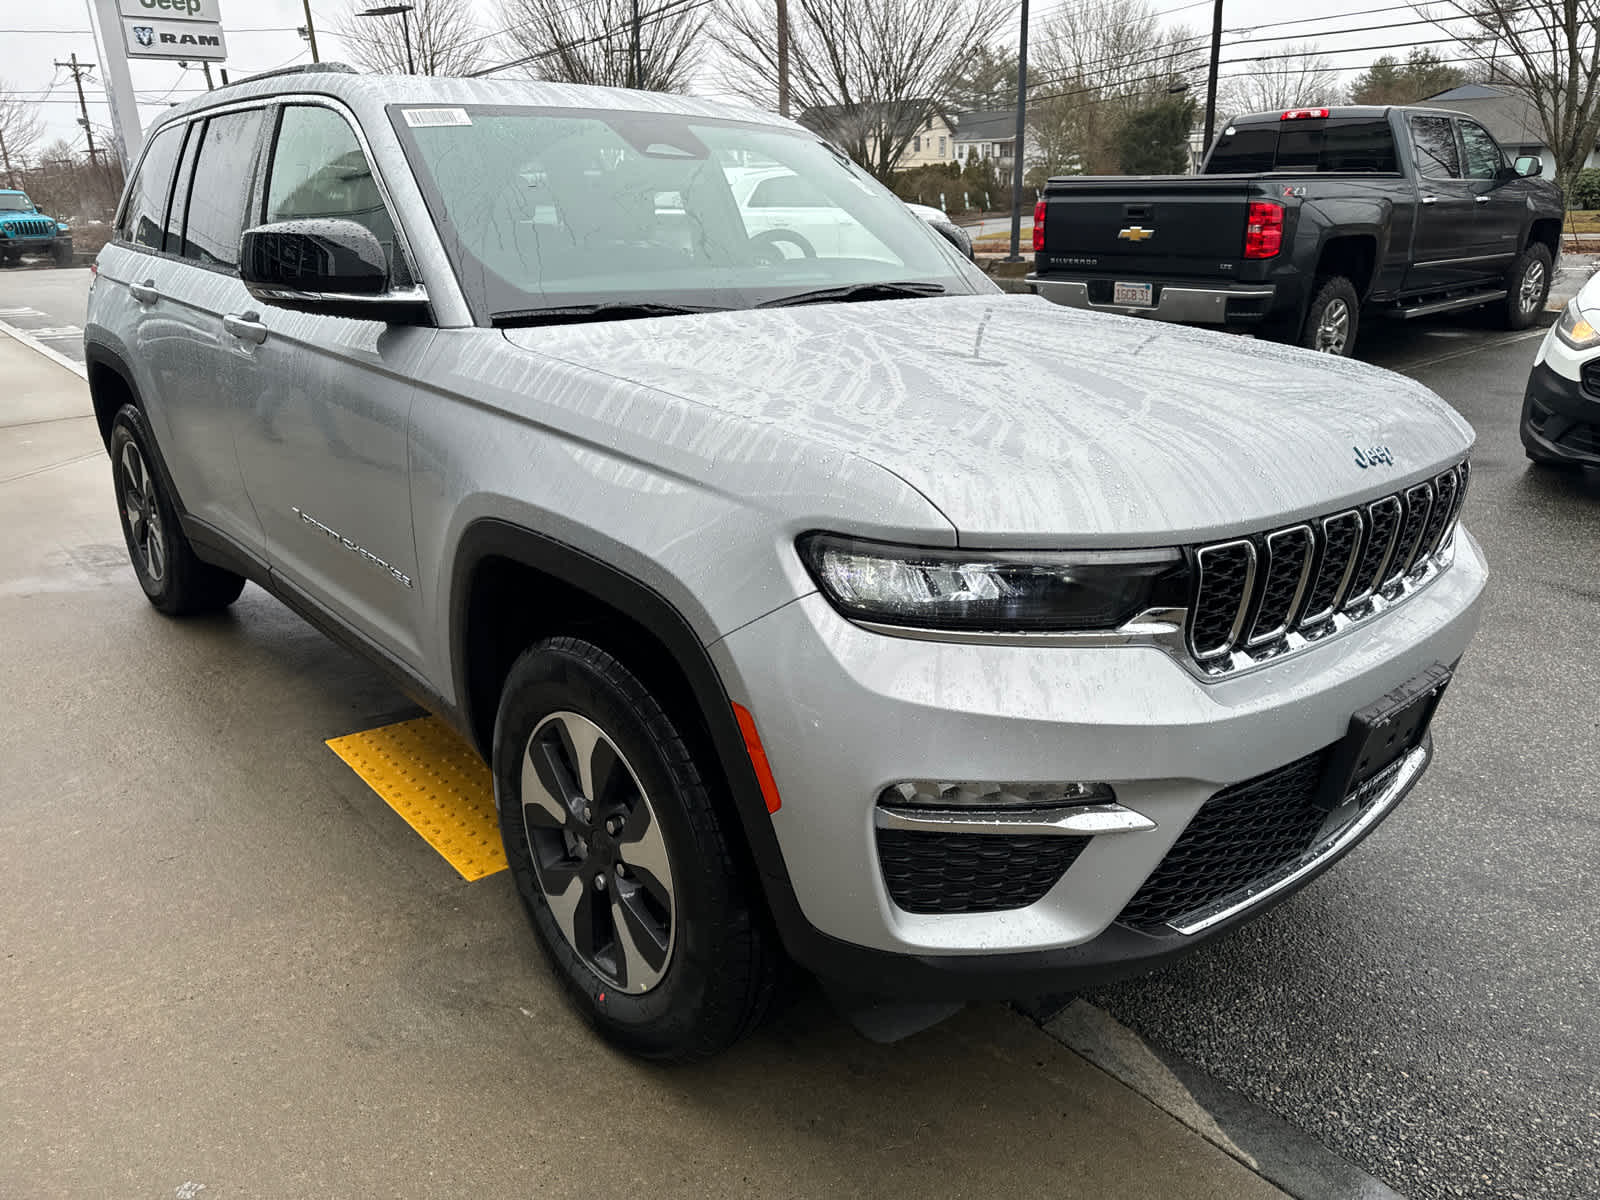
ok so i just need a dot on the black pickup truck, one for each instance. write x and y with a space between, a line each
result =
1300 221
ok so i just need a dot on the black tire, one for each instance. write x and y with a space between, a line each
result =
61 252
1527 287
1324 331
174 579
720 968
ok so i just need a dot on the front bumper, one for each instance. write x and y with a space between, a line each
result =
1186 303
844 713
1560 419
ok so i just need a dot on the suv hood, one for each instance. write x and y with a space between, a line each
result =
1027 423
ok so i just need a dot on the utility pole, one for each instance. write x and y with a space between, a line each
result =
783 58
311 32
638 64
77 68
206 67
1211 77
1016 147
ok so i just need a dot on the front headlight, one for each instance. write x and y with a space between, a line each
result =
997 592
1574 328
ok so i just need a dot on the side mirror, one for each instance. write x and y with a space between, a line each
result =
944 227
1529 165
329 266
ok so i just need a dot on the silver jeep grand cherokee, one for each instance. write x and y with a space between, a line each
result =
809 598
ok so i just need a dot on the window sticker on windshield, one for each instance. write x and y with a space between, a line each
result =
430 118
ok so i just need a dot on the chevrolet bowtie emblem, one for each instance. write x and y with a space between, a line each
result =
1136 233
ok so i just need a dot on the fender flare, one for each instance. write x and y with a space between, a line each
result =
638 602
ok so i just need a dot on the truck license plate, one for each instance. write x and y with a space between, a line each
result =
1138 294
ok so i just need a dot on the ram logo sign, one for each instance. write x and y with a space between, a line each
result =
176 38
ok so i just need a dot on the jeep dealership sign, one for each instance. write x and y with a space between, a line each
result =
190 29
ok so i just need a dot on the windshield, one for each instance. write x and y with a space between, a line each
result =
15 204
546 208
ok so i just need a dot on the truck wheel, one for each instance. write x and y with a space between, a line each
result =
1333 318
62 253
1527 285
174 579
621 859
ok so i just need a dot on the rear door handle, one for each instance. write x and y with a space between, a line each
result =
145 293
1480 199
247 327
1430 199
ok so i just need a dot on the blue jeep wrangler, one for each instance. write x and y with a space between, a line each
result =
26 230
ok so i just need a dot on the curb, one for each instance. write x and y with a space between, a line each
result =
1277 1151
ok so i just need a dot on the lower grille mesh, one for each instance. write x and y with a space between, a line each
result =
972 873
1239 835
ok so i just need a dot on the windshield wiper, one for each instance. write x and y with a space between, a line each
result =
617 310
857 291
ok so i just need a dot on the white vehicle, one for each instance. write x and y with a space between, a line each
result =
1561 407
793 215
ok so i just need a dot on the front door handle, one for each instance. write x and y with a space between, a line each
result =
1480 199
145 293
247 327
1430 199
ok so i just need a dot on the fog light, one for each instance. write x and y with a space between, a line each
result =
935 793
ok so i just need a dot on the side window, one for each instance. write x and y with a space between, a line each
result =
787 191
318 170
1484 159
147 195
1436 147
173 243
223 174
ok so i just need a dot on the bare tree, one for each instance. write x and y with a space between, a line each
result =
1549 51
1099 63
866 74
1304 80
649 44
20 129
444 39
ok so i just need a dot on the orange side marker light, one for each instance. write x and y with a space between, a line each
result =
758 757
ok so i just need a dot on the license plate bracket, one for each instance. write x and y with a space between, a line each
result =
1134 295
1383 733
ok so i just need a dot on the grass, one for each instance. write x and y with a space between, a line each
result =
1582 220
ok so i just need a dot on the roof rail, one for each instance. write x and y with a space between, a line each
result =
325 68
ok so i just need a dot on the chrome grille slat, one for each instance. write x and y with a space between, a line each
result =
1283 582
1418 501
1279 591
1334 568
1225 577
1383 529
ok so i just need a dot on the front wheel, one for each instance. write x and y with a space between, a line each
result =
61 252
174 579
621 860
1527 286
1333 319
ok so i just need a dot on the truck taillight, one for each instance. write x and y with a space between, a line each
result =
1300 114
1038 227
1263 229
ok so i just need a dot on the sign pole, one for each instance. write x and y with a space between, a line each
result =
126 131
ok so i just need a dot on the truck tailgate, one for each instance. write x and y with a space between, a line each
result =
1148 225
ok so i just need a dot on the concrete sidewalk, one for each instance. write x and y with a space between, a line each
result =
228 964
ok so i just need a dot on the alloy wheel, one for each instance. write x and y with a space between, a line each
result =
146 535
598 852
1532 290
1333 331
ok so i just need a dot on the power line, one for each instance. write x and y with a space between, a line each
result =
660 13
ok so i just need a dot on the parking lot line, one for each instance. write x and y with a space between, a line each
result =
437 783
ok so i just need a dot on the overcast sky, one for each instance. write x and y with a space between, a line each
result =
262 35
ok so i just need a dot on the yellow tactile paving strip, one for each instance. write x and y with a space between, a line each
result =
438 785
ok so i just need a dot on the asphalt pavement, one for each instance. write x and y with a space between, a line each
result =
264 974
47 305
1430 1008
